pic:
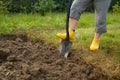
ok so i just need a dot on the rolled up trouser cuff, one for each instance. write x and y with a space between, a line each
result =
78 7
101 27
101 31
74 14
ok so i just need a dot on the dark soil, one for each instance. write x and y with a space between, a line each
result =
22 59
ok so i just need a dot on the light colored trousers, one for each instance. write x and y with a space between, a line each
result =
101 9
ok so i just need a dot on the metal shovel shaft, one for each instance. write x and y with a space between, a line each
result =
67 20
66 44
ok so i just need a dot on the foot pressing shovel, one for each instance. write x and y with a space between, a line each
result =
66 44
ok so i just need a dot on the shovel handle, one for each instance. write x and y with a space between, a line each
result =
67 20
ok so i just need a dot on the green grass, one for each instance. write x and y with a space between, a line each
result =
47 27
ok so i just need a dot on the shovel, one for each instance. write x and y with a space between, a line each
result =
66 44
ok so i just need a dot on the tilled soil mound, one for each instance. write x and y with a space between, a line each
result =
22 59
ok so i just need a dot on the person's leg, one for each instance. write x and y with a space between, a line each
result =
72 23
101 9
77 8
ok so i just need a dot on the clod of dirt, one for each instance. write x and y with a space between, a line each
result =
12 58
37 60
4 54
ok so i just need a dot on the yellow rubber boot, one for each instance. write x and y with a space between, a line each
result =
71 35
95 45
